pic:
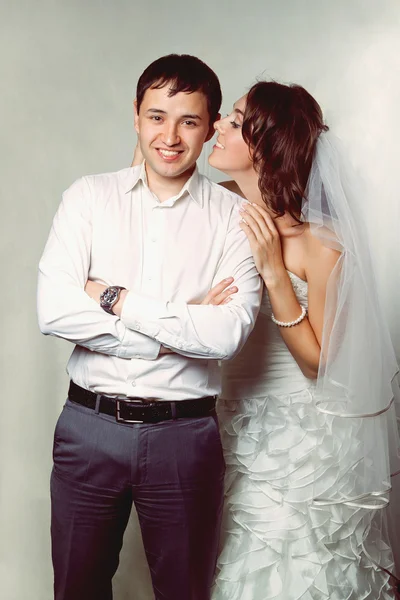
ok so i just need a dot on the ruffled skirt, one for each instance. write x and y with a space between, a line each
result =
280 454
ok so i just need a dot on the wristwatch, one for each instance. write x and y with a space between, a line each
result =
110 297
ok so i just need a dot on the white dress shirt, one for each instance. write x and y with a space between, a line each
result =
112 229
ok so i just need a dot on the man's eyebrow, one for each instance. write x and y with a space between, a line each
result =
163 112
156 110
191 117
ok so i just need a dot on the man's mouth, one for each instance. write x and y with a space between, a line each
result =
169 155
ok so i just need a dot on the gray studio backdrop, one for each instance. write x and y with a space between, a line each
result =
68 71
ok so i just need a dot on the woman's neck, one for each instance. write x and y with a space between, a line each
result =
248 184
286 224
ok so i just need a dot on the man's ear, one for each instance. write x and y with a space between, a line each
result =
212 130
210 133
136 115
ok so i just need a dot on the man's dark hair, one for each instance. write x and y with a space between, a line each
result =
183 73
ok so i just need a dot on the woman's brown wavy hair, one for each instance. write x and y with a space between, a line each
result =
281 126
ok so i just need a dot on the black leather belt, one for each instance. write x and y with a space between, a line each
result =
138 410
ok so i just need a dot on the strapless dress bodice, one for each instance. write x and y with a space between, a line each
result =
265 365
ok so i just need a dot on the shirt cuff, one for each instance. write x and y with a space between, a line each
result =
169 323
140 313
137 345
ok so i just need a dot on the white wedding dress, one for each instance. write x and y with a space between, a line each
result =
281 453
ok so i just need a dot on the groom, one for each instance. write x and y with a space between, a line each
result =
139 424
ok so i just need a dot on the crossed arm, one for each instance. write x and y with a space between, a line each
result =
200 331
64 309
219 295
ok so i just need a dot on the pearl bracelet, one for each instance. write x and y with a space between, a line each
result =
290 323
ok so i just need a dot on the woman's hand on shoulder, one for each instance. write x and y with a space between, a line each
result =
265 243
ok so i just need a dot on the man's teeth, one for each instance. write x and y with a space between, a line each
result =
220 145
168 152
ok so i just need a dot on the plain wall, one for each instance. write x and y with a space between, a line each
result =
68 74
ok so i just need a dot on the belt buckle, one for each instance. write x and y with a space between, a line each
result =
118 412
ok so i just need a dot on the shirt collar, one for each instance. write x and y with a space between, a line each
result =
193 186
134 174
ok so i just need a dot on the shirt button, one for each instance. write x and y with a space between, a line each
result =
138 326
133 383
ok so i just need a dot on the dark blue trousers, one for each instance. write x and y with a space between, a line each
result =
172 471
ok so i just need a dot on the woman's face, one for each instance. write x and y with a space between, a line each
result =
231 153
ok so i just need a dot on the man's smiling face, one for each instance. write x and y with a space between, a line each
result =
172 130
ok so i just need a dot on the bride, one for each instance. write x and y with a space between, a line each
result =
307 411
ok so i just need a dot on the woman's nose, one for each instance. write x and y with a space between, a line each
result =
218 125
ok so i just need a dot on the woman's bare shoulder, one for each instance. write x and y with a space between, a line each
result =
320 257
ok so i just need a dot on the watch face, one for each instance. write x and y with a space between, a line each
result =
109 295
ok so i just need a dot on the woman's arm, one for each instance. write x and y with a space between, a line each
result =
304 339
137 156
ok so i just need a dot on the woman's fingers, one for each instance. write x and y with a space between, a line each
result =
250 220
250 234
267 219
256 219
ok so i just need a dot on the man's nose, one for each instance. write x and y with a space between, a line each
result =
171 135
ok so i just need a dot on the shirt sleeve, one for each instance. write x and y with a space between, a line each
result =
64 308
197 331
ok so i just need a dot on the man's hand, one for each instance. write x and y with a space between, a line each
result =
164 350
94 290
220 293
